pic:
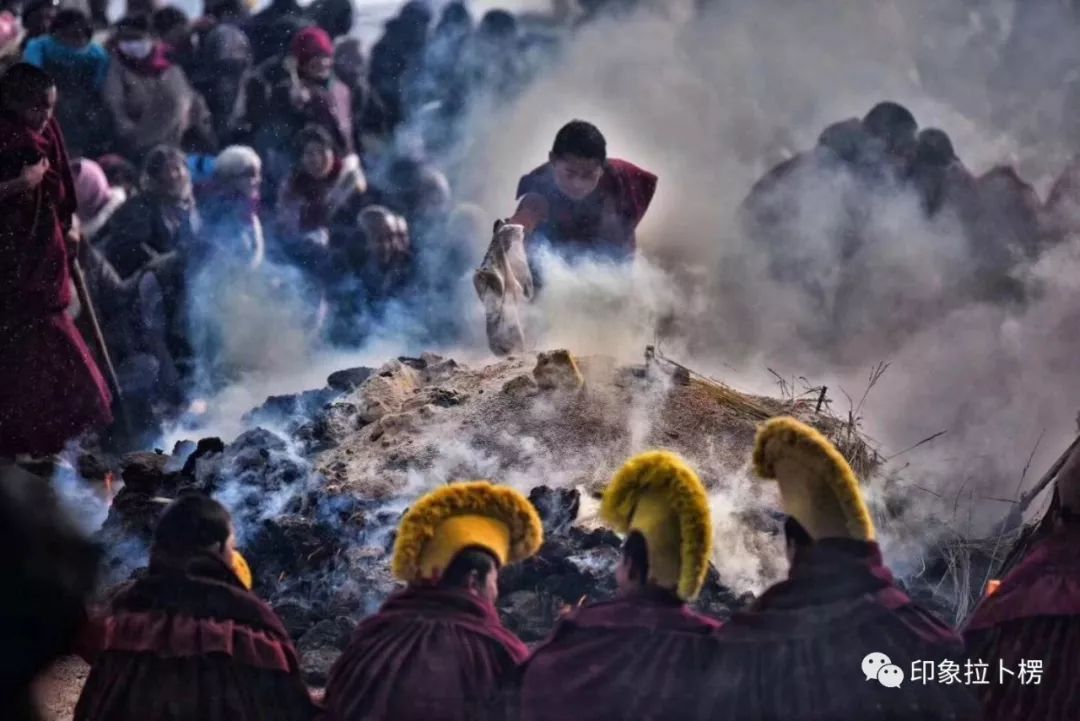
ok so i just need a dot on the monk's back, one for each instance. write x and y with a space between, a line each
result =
429 654
633 658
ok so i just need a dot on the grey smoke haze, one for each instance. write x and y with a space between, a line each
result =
709 104
704 105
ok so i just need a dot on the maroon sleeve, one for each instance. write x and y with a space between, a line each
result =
637 187
523 186
66 205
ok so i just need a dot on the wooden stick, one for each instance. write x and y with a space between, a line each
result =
87 304
1048 477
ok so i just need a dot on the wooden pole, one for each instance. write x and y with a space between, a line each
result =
87 304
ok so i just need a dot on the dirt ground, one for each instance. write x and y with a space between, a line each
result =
59 689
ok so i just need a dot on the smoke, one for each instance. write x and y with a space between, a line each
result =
709 105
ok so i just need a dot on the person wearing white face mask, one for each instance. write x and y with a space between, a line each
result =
150 99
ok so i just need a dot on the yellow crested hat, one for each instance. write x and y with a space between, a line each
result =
462 515
817 485
657 494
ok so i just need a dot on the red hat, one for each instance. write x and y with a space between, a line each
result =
311 43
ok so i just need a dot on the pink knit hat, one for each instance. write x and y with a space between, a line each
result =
91 189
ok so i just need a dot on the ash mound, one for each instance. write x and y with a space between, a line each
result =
319 484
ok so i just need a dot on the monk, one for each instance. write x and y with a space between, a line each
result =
640 655
1030 625
588 203
189 641
52 389
437 650
837 640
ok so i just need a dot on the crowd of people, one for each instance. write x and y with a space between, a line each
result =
837 640
858 166
179 159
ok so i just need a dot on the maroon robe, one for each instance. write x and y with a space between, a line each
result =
1034 615
428 655
52 389
797 653
602 223
637 657
188 643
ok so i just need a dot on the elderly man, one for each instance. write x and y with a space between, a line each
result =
375 266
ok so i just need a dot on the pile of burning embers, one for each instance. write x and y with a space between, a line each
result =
320 558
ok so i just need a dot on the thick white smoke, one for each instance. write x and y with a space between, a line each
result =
708 105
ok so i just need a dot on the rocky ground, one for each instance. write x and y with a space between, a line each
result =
319 483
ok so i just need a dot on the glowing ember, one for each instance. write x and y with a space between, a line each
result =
109 478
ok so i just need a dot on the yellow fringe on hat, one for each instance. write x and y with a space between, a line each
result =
667 474
819 483
242 570
472 498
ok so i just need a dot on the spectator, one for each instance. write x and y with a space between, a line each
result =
370 126
150 99
10 47
292 92
323 190
221 72
333 16
121 173
160 220
437 649
439 93
319 97
234 12
492 62
230 203
226 656
641 655
376 266
397 57
96 201
37 18
79 66
172 27
55 391
271 29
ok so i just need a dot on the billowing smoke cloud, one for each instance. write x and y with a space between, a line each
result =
708 105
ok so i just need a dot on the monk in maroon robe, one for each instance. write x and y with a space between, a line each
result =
1031 624
639 656
437 650
52 389
189 642
593 203
802 652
